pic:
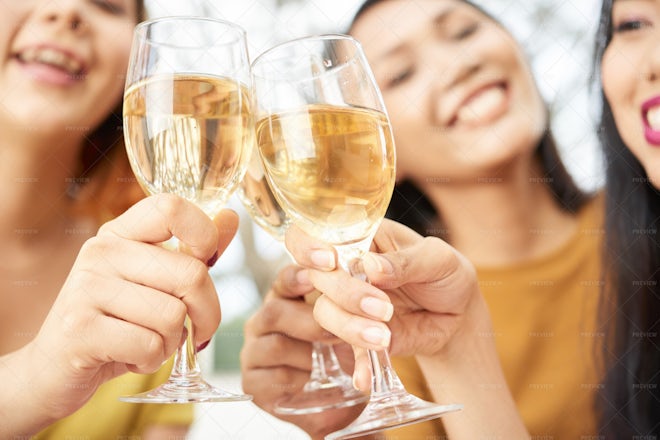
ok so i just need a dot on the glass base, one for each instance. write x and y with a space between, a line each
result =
185 392
321 399
392 411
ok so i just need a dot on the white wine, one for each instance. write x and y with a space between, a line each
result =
332 168
259 201
189 135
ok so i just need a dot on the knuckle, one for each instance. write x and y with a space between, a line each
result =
277 344
174 312
168 205
250 325
270 314
194 274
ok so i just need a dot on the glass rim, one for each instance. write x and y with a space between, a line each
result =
140 29
318 37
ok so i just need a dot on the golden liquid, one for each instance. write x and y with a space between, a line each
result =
259 200
189 135
332 168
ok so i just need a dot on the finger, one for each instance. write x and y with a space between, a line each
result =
275 317
114 340
226 223
354 329
352 294
362 371
269 385
142 306
392 236
291 282
174 273
429 261
158 218
266 352
309 252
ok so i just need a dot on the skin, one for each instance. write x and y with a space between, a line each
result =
474 161
466 126
630 72
434 290
124 298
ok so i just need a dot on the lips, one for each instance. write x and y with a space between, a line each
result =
51 64
481 105
651 120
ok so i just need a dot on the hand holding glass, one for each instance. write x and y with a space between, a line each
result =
325 139
188 132
328 386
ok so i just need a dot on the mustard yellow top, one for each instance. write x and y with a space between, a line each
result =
104 417
544 316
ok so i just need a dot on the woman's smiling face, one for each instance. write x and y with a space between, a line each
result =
459 92
630 74
63 62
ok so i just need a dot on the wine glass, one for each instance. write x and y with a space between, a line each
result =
327 148
189 132
328 386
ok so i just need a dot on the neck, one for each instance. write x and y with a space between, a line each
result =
502 220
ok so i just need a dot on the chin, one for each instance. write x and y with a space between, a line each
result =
652 169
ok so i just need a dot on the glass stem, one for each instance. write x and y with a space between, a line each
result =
325 367
186 369
384 380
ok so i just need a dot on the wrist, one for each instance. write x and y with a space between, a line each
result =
22 407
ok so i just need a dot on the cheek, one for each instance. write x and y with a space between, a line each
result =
618 76
608 77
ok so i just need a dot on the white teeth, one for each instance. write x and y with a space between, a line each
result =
653 116
51 57
483 106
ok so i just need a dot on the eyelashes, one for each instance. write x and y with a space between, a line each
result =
631 25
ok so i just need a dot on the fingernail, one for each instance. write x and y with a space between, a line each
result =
202 346
323 259
379 264
376 335
213 259
377 308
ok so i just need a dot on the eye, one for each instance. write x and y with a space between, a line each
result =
399 77
465 31
110 7
630 25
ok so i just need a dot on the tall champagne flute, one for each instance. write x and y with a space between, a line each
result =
326 144
188 132
328 386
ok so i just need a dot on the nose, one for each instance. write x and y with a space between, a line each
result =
652 70
459 71
65 14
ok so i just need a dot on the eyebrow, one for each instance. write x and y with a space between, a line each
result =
441 18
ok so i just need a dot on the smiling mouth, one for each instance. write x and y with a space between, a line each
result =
51 58
485 105
653 118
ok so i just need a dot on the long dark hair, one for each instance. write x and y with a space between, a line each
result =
411 207
103 159
629 400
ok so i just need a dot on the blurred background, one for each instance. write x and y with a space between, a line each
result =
558 37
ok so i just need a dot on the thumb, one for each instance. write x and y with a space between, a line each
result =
442 276
429 259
